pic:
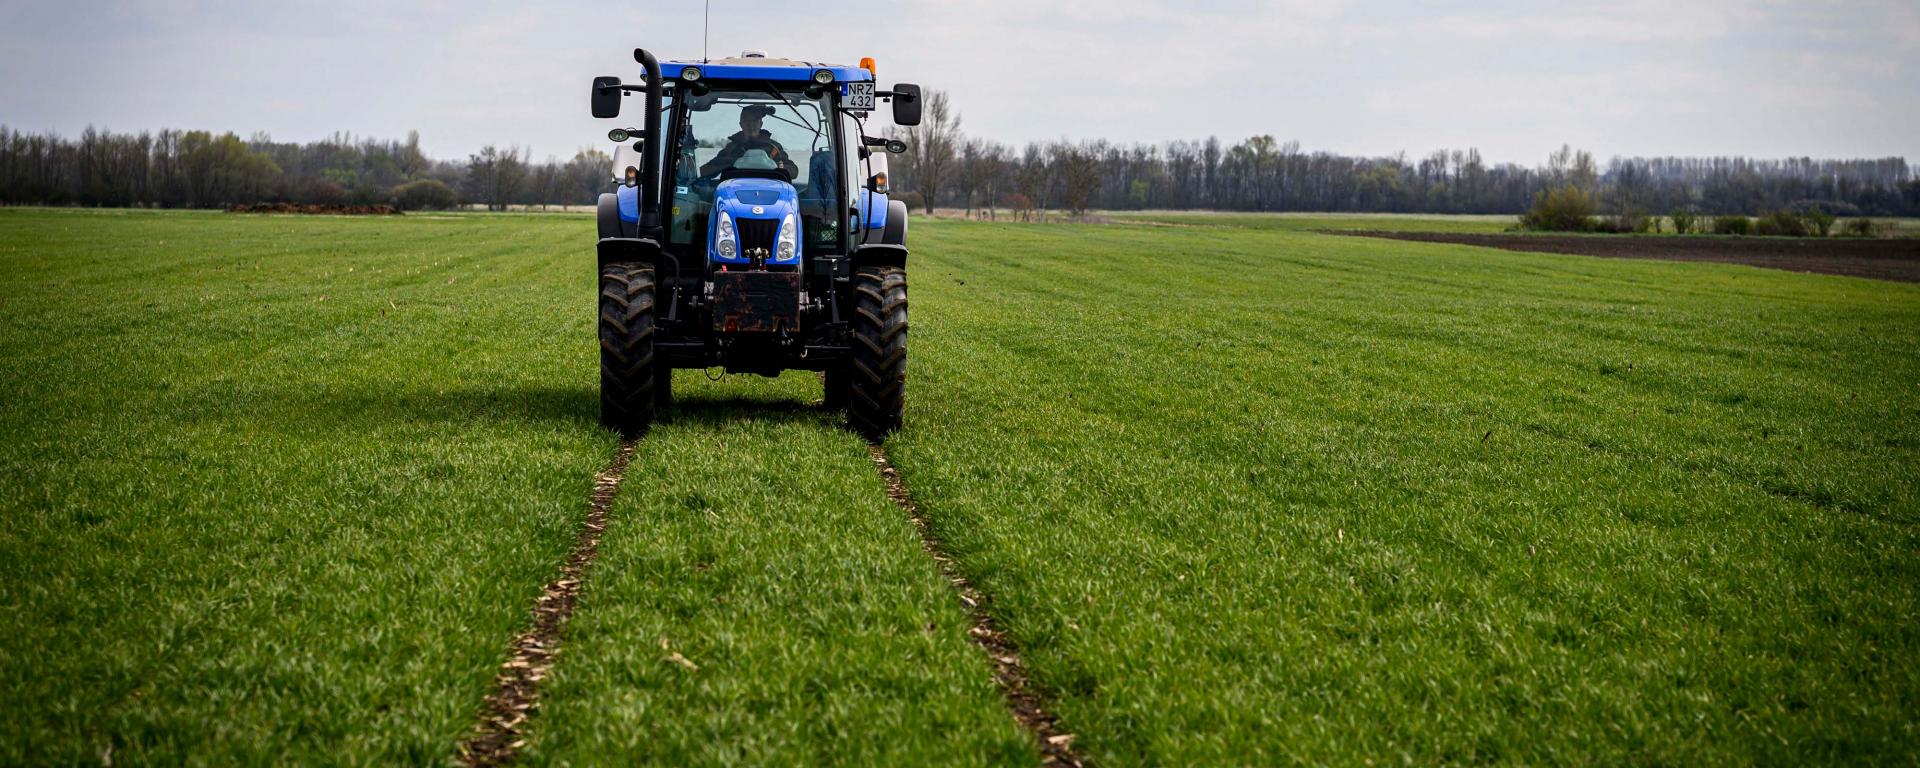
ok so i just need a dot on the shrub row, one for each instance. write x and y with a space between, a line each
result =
424 194
1813 222
1571 209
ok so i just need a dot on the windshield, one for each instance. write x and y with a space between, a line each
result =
763 130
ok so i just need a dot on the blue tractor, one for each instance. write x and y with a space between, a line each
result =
749 230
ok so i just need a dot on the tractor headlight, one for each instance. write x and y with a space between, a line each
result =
788 239
723 240
690 74
823 76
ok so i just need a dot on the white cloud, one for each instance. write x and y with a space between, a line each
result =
1632 21
1511 77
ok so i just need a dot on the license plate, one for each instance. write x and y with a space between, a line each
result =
860 97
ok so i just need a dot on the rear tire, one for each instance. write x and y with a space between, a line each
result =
877 373
627 370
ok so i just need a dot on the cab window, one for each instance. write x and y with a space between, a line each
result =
786 133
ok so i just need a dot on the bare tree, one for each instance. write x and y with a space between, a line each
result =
1080 175
546 182
978 169
1567 166
173 168
1033 180
1629 178
933 147
585 176
993 171
494 175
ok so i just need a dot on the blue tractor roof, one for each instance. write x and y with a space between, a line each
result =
758 68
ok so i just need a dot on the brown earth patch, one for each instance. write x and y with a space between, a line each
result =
327 210
1027 704
1882 259
498 737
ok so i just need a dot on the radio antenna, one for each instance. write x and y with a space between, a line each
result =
706 23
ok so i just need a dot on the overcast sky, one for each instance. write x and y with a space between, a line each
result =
1515 79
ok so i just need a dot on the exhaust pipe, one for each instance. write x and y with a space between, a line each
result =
652 186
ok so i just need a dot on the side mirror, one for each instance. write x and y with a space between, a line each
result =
894 146
606 96
906 104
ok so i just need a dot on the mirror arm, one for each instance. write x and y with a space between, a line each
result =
624 88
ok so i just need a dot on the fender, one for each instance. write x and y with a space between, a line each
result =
884 219
630 250
612 224
895 232
878 255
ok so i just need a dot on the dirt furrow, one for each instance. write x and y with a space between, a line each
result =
498 737
1027 704
1895 259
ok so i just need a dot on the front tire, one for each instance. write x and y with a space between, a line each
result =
877 373
627 370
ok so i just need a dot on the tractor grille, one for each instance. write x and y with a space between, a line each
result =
757 234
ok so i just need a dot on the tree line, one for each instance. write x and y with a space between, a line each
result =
201 169
946 167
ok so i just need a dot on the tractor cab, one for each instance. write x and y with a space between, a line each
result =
786 137
749 206
756 176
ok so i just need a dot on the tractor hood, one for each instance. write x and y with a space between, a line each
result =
761 218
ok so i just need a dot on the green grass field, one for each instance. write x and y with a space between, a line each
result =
283 489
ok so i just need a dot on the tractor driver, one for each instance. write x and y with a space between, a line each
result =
751 136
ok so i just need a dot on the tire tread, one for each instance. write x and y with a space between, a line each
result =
877 373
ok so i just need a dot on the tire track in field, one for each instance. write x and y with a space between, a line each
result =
1028 705
497 738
